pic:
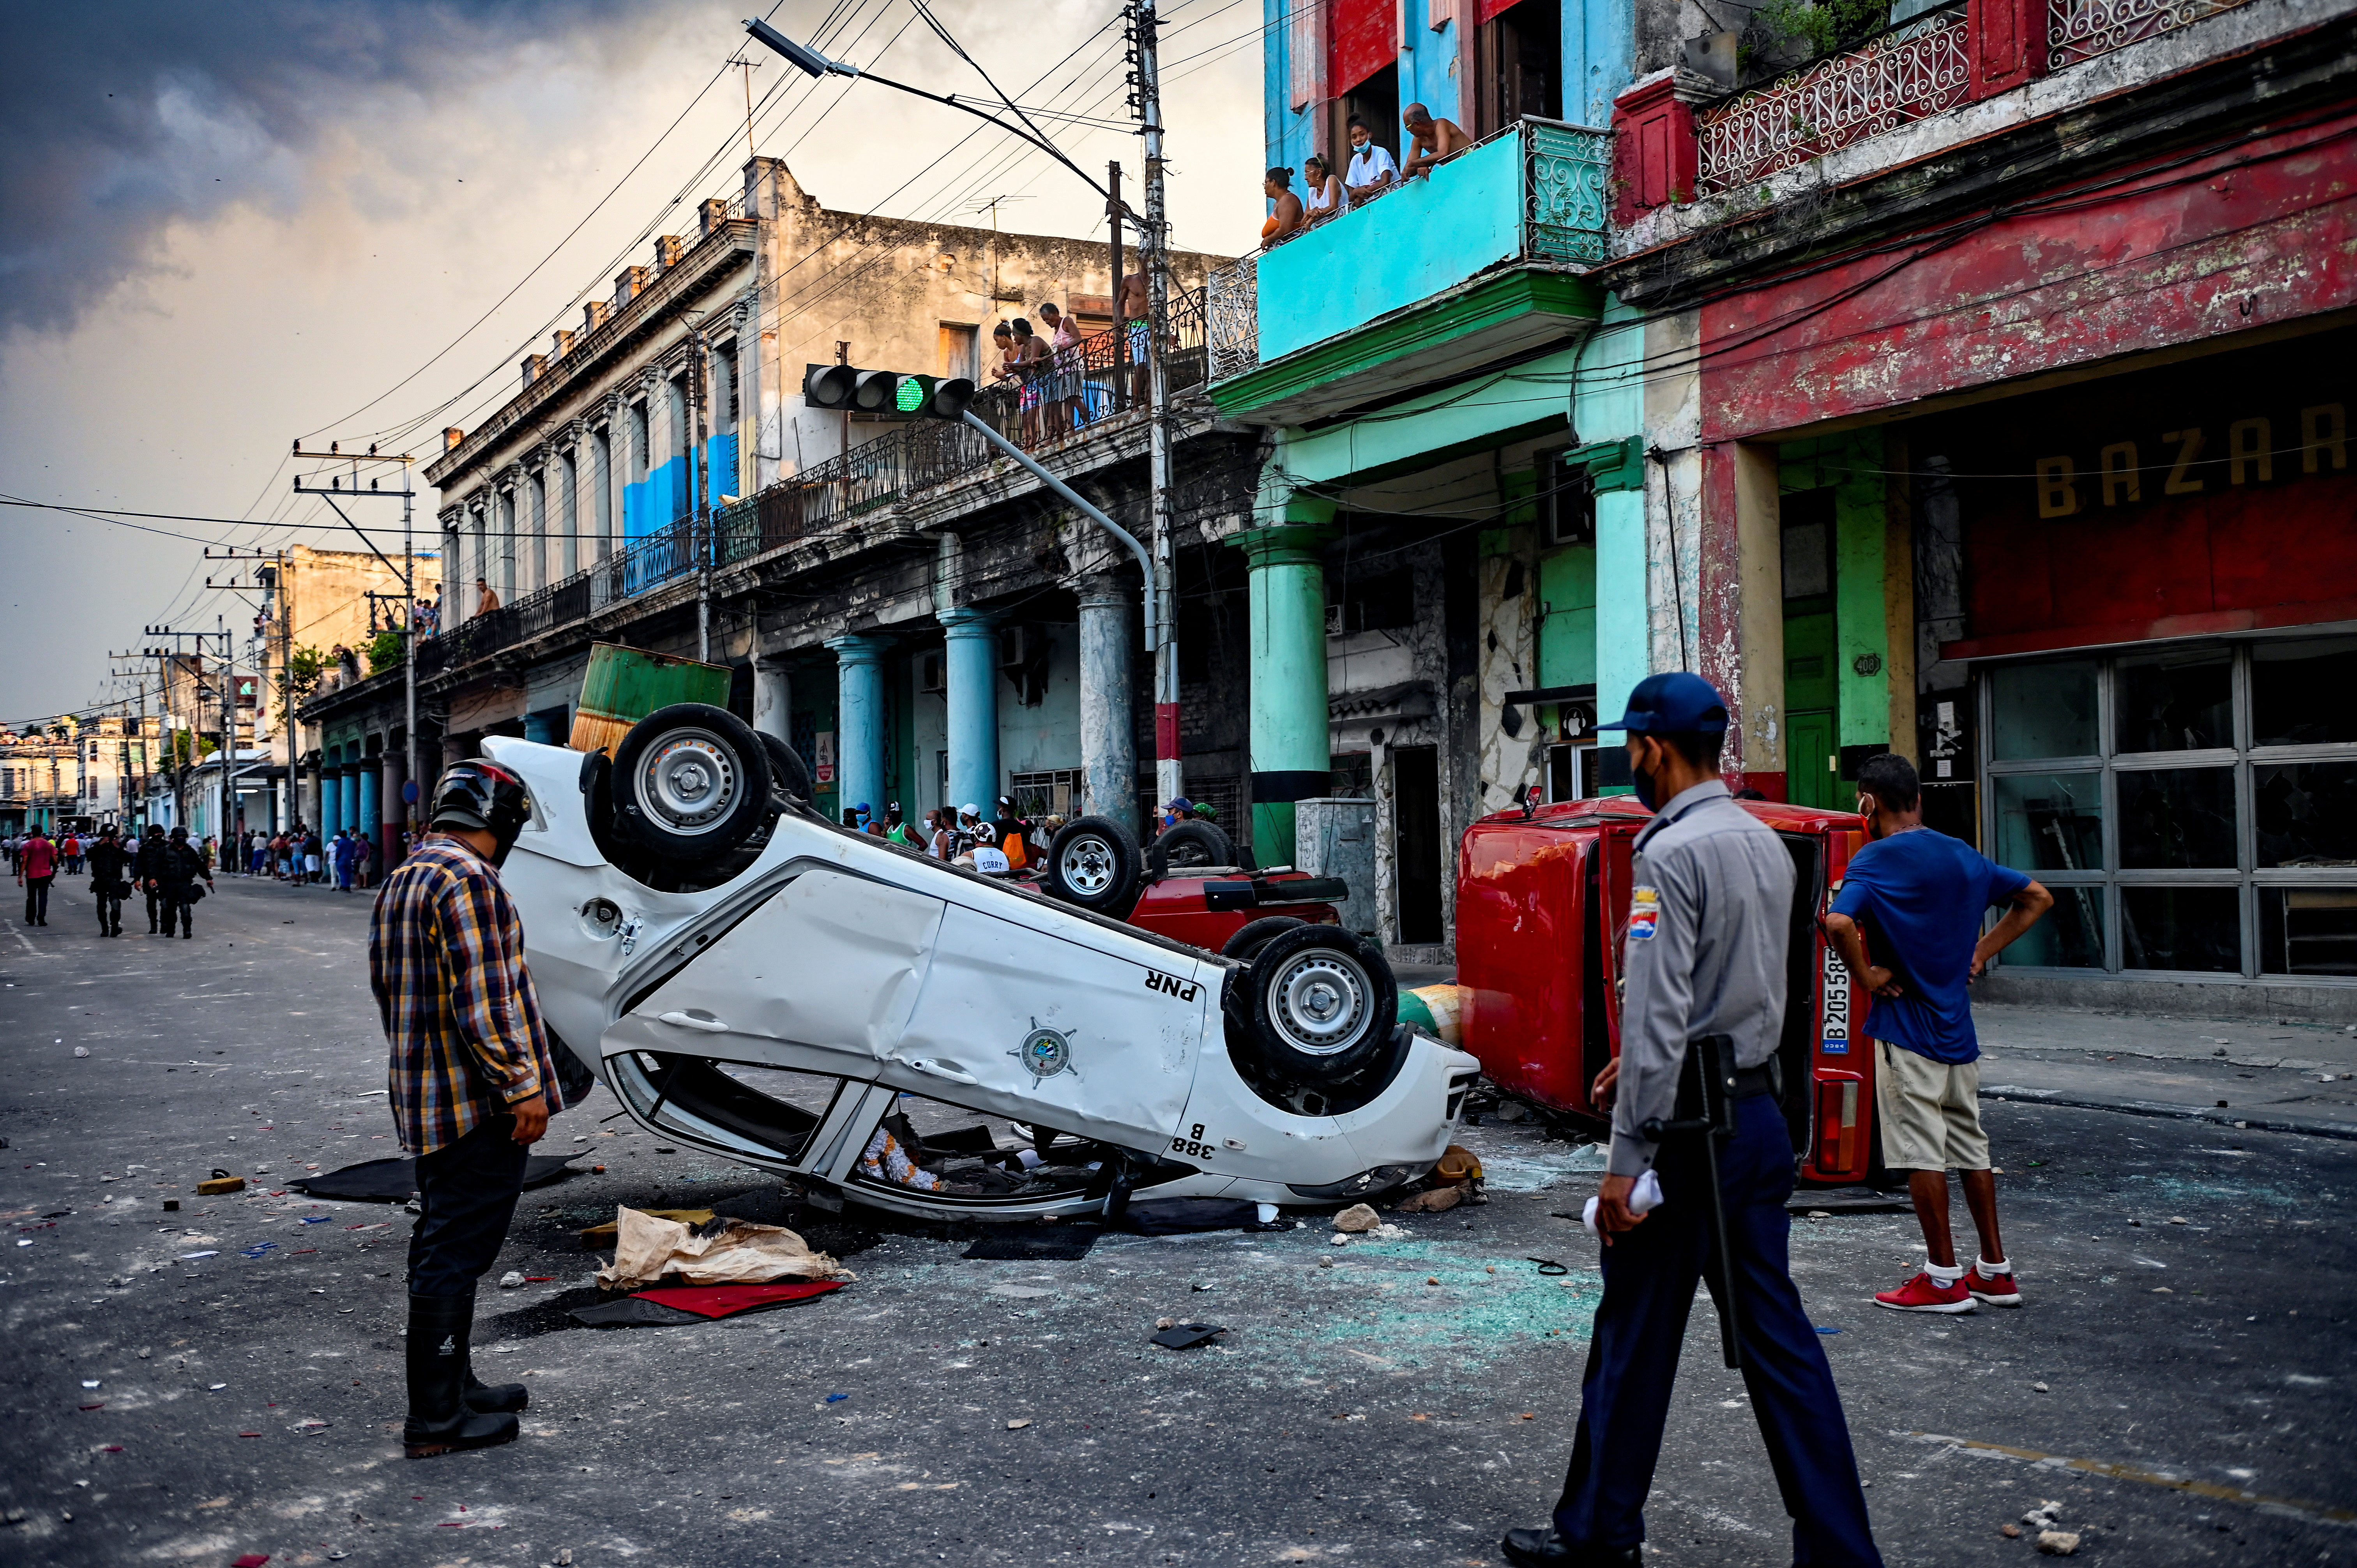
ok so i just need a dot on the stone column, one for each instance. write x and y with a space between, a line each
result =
347 806
1108 722
395 813
859 719
371 804
773 697
1291 759
331 793
971 673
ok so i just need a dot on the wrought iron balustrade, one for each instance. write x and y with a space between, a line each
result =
1917 69
1232 317
2078 30
1563 172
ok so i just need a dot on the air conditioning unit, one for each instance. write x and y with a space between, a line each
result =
1017 646
931 674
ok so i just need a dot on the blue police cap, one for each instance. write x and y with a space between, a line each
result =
1671 702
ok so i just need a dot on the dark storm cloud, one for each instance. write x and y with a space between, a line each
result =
118 119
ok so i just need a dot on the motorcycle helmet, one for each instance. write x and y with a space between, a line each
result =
480 795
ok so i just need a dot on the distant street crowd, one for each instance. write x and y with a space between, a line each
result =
167 866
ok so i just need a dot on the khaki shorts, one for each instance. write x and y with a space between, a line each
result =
1930 1111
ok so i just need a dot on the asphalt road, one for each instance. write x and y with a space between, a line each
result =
2165 1381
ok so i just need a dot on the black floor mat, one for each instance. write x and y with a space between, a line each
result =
395 1180
1029 1243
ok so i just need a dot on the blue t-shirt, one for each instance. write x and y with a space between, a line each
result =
1921 895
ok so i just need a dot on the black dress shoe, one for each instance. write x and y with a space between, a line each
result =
1543 1546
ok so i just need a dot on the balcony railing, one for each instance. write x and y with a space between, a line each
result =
2079 30
1533 192
1917 68
1060 399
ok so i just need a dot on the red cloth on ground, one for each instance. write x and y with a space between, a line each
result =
725 1301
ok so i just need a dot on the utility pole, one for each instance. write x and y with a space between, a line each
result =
229 697
136 821
1169 772
336 491
269 569
1120 328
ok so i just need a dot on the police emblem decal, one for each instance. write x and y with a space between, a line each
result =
1644 912
1045 1052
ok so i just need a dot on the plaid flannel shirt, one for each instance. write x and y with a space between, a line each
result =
445 961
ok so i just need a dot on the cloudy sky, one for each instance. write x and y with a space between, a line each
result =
222 227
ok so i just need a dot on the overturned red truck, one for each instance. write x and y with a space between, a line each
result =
1541 903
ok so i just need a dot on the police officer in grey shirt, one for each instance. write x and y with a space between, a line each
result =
1703 955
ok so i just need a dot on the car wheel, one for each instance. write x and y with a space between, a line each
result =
788 772
1093 864
692 781
1323 1004
1253 935
1186 845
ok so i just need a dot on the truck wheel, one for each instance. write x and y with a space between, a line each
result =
1323 1004
1093 864
1255 935
691 781
788 772
1185 845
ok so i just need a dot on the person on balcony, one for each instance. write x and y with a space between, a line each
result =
1432 141
1031 371
486 601
1285 215
1069 411
1136 311
1325 195
1372 168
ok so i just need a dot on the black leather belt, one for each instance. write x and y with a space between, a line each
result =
1761 1080
1768 1078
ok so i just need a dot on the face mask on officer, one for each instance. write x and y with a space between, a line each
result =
1649 792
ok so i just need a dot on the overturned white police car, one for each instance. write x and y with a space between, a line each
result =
758 982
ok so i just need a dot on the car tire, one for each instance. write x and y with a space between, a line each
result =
1253 935
1185 845
788 772
1093 863
1322 1004
691 781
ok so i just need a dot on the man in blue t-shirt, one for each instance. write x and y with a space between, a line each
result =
1917 898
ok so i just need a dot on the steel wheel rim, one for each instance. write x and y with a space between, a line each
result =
1319 1002
1087 865
689 781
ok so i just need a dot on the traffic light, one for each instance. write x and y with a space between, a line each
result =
846 388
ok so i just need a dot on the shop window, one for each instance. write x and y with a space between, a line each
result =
1808 556
2177 819
2043 710
2306 813
2307 930
2174 702
1051 792
2049 822
2070 936
2196 928
2304 693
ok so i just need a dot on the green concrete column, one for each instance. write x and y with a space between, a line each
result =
1290 759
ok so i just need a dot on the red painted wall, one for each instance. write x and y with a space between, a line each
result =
1365 39
2255 235
2059 554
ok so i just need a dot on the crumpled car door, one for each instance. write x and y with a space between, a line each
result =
830 967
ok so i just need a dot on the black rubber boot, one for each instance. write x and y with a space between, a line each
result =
495 1398
439 1418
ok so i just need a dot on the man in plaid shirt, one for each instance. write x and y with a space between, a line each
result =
473 1086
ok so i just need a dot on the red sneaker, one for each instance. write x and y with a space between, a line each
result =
1924 1294
1999 1289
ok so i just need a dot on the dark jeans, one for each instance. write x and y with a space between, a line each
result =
179 904
110 912
1648 1286
37 900
466 1195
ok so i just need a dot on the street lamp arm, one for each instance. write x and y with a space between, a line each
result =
817 64
1144 560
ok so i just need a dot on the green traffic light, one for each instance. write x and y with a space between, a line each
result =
911 394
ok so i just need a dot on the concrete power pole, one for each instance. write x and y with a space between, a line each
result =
1169 772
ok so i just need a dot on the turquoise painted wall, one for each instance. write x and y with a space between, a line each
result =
1466 217
1608 404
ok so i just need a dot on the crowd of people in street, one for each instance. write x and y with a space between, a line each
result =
167 865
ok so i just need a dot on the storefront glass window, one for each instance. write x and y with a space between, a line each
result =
2243 864
2304 693
2182 927
2307 813
2177 819
2049 822
2307 930
2044 710
2174 702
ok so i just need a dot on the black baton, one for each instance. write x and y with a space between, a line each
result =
1714 1057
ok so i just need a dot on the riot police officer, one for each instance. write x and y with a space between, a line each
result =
1703 956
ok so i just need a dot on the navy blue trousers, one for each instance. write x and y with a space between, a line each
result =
1632 1362
466 1193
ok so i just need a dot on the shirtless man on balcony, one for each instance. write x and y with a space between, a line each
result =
1434 141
